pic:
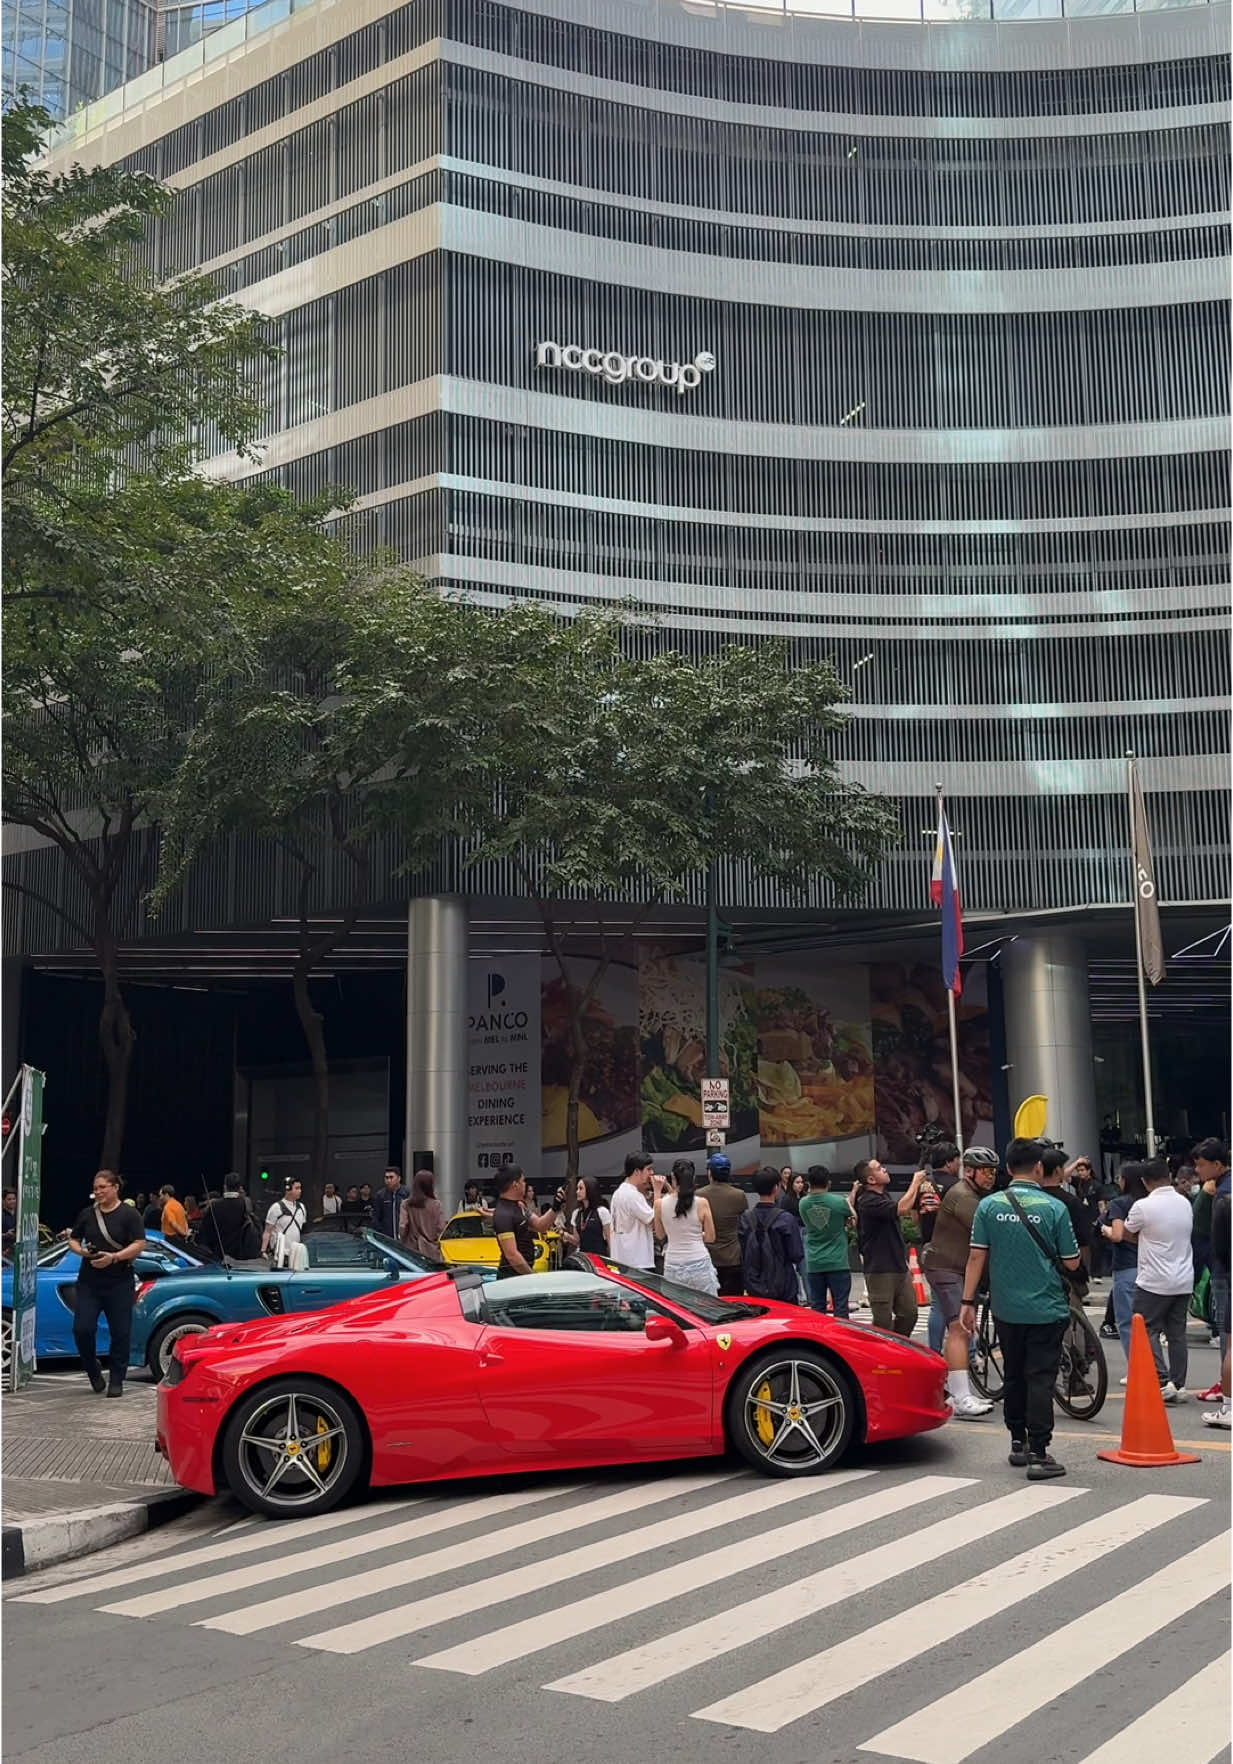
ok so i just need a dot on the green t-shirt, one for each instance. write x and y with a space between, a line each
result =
1024 1284
824 1220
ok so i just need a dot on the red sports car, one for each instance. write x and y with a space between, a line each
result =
457 1375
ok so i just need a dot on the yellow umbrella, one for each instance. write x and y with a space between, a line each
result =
1031 1116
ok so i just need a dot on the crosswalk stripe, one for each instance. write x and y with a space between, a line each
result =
516 1640
653 1662
956 1725
383 1626
531 1534
269 1537
1192 1722
208 1586
771 1704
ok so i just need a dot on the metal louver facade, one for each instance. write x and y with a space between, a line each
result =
966 290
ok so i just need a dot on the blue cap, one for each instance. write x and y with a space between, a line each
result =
719 1165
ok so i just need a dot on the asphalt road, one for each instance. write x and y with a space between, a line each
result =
924 1603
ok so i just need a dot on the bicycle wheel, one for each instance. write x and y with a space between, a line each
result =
1082 1373
985 1367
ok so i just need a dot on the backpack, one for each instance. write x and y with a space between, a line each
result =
763 1260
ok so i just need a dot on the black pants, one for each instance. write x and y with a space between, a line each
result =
1030 1355
115 1302
731 1281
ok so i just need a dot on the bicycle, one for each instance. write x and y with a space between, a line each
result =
1082 1382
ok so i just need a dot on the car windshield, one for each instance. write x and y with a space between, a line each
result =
685 1298
388 1247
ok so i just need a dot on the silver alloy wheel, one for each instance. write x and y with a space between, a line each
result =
279 1449
805 1413
167 1346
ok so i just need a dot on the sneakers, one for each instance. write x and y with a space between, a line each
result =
114 1389
1221 1417
1043 1468
1108 1332
1170 1392
1018 1454
1125 1380
1212 1395
969 1409
98 1384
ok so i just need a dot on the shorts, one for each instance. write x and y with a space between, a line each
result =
947 1289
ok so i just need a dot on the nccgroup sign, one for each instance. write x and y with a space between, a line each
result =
618 369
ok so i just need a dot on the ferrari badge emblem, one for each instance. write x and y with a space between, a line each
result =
725 1342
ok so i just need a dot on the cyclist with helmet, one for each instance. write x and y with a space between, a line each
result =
943 1264
727 1203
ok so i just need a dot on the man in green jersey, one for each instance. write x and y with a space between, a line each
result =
1021 1236
824 1220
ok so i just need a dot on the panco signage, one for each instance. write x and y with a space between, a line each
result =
617 369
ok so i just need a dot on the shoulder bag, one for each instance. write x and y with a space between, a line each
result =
1074 1283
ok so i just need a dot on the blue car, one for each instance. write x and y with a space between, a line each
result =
58 1268
335 1265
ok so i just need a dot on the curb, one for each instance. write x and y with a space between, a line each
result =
32 1544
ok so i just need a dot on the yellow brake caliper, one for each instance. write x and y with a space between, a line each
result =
324 1452
762 1416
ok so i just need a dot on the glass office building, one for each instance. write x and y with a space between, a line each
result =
902 337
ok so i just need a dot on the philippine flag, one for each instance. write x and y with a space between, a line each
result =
944 892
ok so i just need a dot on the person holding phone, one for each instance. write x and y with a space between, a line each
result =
108 1237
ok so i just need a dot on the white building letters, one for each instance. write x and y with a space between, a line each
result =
616 368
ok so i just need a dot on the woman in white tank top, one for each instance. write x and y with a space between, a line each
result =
683 1223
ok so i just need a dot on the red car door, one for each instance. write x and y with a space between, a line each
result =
566 1369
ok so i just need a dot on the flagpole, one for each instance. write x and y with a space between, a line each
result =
1144 1040
950 1013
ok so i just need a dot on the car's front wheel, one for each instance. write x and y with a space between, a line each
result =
791 1413
162 1343
293 1448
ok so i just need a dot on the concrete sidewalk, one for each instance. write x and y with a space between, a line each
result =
79 1471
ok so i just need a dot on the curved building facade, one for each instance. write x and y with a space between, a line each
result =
961 290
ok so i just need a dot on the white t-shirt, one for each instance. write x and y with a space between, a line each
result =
1163 1220
632 1241
287 1218
331 1203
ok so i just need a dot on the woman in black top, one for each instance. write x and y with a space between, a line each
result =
590 1223
108 1238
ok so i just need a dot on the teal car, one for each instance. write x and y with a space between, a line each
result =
328 1267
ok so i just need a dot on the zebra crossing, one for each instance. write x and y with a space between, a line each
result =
655 1593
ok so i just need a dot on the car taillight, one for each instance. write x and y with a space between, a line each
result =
143 1288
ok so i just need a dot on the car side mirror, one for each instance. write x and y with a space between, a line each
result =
392 1268
664 1329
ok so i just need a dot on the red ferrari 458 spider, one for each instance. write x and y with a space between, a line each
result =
458 1375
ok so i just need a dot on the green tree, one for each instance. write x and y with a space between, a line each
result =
359 716
99 711
621 769
112 381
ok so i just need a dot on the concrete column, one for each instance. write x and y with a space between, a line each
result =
437 938
1049 1035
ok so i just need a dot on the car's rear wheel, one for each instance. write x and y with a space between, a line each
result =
162 1342
792 1413
293 1448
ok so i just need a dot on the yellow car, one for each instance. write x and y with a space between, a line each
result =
468 1239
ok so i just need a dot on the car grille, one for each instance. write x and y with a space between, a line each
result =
271 1298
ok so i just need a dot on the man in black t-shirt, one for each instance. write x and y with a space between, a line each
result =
515 1232
892 1297
108 1237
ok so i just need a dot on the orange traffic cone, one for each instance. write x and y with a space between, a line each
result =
1147 1442
918 1279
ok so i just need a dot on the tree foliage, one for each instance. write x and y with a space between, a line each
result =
621 769
113 382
